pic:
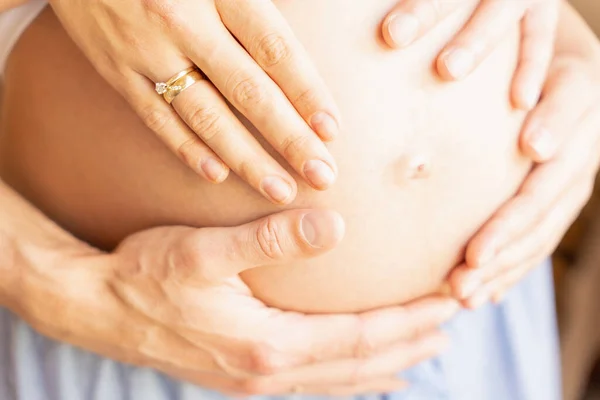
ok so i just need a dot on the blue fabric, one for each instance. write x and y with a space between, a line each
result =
505 352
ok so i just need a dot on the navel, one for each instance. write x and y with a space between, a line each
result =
418 166
411 166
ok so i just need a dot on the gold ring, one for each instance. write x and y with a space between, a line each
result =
178 83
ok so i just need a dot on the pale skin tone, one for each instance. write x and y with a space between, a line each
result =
267 76
170 298
50 241
413 19
563 136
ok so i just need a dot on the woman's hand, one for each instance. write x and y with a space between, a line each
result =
563 134
171 299
412 19
249 55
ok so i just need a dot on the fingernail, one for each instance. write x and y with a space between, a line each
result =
322 229
471 283
214 170
403 29
320 175
459 62
325 125
541 143
276 188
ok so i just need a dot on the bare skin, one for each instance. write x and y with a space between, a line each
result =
422 163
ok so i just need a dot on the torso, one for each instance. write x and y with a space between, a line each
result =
73 147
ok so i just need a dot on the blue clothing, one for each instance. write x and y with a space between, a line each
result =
504 352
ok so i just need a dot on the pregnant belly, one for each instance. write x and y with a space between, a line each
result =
423 164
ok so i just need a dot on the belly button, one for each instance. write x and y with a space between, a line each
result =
417 166
412 165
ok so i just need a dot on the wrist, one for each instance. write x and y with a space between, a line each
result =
29 243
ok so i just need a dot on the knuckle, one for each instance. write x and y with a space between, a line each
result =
272 49
155 119
249 93
270 239
186 261
292 146
205 121
164 11
263 361
364 347
188 151
245 170
308 99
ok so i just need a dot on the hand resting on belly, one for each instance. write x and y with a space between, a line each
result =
422 163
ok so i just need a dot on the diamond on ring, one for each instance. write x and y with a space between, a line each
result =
178 83
161 88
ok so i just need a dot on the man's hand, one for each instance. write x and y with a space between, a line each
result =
170 298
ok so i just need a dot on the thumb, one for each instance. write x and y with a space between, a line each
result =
216 254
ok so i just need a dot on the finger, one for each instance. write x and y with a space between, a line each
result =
266 35
147 344
207 113
579 155
374 387
215 254
354 371
507 281
537 245
412 19
250 90
303 340
537 47
586 147
479 37
538 194
212 122
173 131
377 386
284 341
551 122
290 340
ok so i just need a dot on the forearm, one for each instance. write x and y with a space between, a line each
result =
575 36
8 4
14 218
28 241
53 281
